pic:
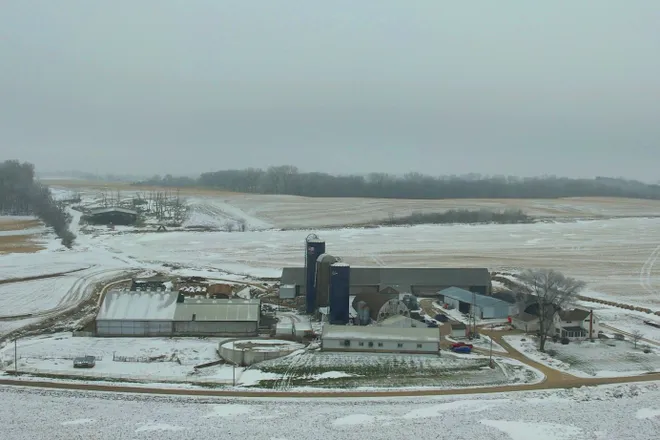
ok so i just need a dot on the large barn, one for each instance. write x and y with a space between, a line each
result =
484 307
417 281
127 313
380 339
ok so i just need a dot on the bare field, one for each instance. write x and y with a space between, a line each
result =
302 212
16 235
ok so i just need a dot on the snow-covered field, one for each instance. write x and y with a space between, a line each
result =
590 359
303 212
602 413
144 359
616 257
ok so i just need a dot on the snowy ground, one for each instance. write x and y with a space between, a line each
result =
601 413
302 212
586 359
615 257
133 358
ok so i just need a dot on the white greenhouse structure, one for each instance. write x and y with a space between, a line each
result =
125 313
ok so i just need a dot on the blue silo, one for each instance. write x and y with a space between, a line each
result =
313 248
340 282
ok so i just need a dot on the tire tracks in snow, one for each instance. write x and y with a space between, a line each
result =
645 271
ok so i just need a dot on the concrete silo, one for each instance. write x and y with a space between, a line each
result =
313 248
340 293
322 286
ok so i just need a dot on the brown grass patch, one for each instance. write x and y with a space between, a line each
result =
8 224
125 186
22 244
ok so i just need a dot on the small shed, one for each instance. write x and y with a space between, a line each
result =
288 291
459 330
526 322
112 215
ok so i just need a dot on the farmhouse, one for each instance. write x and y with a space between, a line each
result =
576 324
485 307
129 313
417 281
114 216
380 339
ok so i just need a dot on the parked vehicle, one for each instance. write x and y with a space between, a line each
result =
461 344
441 318
462 349
84 362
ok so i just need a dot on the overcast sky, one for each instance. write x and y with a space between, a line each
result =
566 87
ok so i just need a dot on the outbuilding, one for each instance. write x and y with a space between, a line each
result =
458 330
217 317
380 339
526 322
485 307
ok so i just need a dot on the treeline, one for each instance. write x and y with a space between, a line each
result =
462 216
20 194
289 180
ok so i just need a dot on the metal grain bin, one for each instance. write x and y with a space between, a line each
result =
313 248
339 293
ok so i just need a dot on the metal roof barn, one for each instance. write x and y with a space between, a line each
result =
143 306
380 339
486 307
218 310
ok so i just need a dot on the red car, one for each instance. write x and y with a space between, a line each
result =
461 344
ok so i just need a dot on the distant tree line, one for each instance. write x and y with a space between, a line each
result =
465 216
20 194
289 180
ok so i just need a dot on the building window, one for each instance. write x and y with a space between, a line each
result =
361 344
380 344
347 343
371 344
399 345
419 345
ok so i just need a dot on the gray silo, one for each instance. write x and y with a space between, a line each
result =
364 314
340 282
313 248
322 286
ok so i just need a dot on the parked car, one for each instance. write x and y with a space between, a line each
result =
461 344
84 362
462 349
441 318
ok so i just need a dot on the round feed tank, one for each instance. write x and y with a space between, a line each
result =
313 248
247 352
364 314
322 281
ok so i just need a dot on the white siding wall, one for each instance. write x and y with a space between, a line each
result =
133 328
390 346
216 328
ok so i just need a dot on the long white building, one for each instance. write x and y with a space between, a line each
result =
375 339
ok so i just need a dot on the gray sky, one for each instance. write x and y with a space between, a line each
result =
442 87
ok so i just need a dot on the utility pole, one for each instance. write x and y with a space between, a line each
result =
491 352
15 357
234 373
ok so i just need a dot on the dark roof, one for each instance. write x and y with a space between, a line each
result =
466 296
574 315
526 317
402 278
458 326
98 211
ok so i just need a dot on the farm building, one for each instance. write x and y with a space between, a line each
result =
127 313
575 324
486 307
114 216
288 291
526 322
380 339
400 321
458 330
417 281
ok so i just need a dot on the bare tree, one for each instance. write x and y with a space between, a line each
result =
636 336
242 225
552 292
